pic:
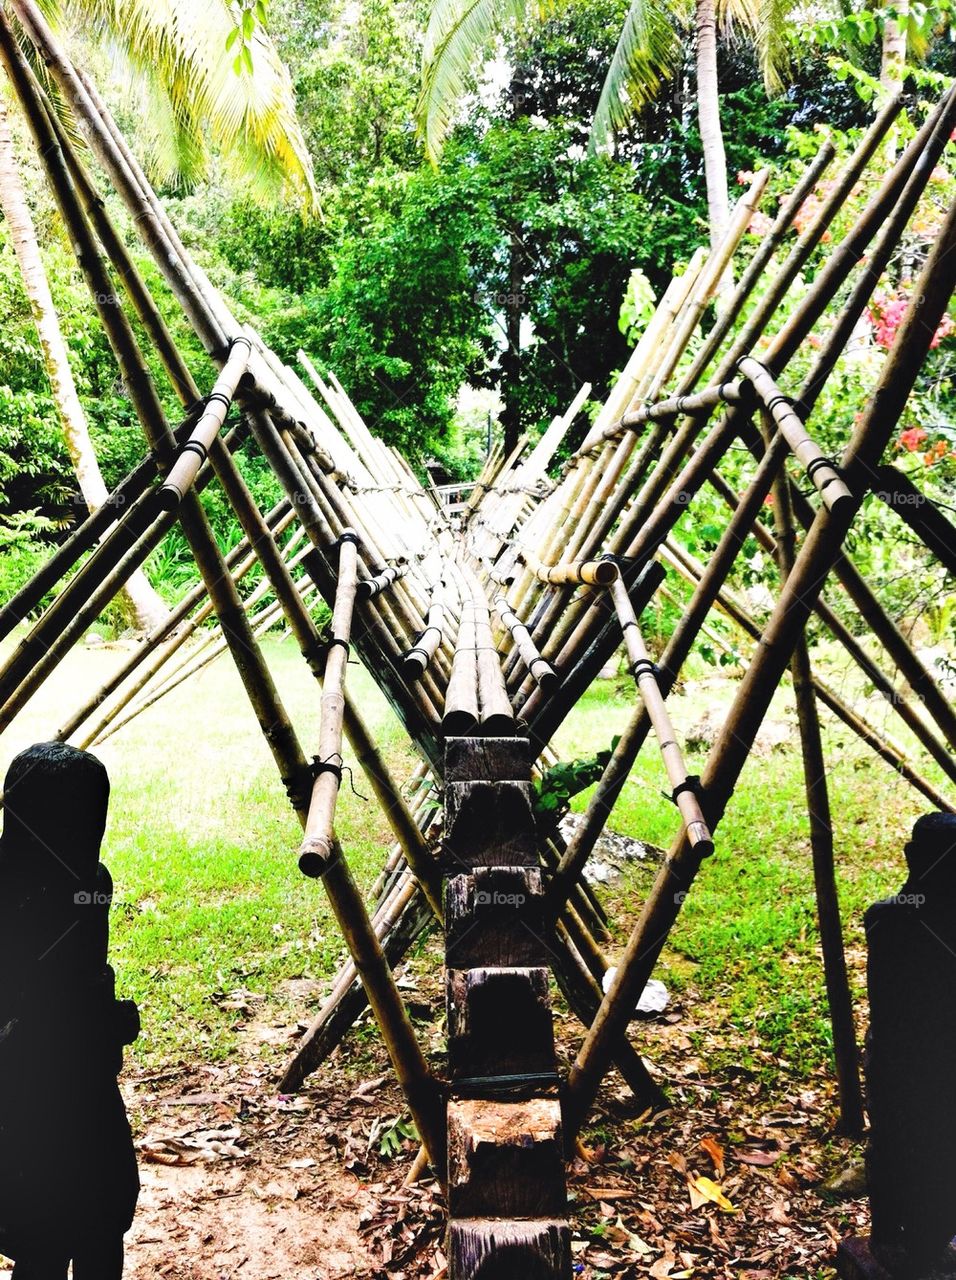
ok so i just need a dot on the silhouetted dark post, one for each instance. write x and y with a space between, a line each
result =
68 1178
911 1068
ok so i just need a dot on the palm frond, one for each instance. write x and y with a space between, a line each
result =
64 112
182 45
650 47
177 155
458 30
766 23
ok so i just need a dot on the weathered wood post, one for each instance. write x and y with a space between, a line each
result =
911 1087
506 1182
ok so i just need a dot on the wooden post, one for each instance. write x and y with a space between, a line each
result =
506 1187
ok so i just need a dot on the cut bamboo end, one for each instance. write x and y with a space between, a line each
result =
544 674
315 858
702 842
498 725
370 587
459 723
592 573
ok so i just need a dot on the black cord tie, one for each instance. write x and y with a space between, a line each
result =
691 783
780 398
326 766
816 463
643 667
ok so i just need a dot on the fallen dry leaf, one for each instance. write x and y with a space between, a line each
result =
716 1153
708 1190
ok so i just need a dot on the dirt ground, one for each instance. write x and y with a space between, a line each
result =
239 1181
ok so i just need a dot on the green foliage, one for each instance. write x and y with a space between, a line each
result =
393 1134
22 550
559 784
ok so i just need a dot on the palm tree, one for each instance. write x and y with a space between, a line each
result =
180 54
650 49
178 51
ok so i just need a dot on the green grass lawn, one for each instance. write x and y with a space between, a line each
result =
209 899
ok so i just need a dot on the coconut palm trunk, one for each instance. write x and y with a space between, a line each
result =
893 57
711 134
146 607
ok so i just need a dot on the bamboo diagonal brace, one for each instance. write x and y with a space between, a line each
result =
196 449
827 480
317 844
684 793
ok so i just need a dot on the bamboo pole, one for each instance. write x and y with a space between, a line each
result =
754 271
495 713
174 631
316 846
924 517
462 712
839 996
820 470
884 747
596 573
541 671
644 672
196 449
82 539
421 653
870 669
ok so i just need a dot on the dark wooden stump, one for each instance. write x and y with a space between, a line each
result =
911 1068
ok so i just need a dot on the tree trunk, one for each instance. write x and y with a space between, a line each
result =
146 606
511 356
711 135
894 49
892 66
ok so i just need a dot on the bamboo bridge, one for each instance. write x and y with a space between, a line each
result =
484 624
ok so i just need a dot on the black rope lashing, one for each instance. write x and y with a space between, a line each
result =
643 666
299 788
814 465
691 783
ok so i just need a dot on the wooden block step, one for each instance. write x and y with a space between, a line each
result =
487 759
494 916
486 1249
488 824
499 1023
505 1159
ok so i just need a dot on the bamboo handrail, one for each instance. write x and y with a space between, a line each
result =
541 670
597 573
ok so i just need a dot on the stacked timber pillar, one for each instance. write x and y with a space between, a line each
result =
506 1179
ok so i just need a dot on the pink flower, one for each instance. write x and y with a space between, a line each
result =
946 327
912 439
